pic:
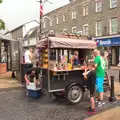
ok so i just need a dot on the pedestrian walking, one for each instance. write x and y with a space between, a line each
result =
90 76
100 74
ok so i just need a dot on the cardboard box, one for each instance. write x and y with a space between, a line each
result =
32 86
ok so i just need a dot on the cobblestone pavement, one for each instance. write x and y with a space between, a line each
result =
14 105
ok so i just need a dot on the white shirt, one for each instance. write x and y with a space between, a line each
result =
27 57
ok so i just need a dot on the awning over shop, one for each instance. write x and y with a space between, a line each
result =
108 41
3 37
57 42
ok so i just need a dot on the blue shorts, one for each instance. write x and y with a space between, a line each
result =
99 85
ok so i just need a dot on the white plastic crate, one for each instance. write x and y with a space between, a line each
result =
32 86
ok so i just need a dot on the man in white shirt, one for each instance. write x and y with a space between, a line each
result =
28 56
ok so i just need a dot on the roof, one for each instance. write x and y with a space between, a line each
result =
32 33
69 43
7 32
3 37
23 25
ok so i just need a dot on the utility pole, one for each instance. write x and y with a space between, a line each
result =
41 15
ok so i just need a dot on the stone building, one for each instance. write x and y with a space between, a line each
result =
88 17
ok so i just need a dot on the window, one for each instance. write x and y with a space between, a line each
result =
74 14
85 30
113 26
57 20
85 10
99 5
73 29
99 28
64 18
50 22
113 3
44 24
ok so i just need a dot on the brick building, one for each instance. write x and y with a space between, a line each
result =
97 19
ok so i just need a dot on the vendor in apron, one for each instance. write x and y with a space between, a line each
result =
74 59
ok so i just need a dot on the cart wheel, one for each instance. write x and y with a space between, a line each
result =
74 94
59 95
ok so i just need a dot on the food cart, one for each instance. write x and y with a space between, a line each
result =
59 76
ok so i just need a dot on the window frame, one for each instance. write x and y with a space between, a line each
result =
74 14
64 18
97 33
85 11
50 23
74 27
57 20
111 27
44 24
111 4
98 6
84 31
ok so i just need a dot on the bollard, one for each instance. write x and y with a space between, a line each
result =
112 97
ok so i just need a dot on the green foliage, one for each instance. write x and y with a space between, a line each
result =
1 1
2 25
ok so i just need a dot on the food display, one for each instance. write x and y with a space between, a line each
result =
62 65
44 58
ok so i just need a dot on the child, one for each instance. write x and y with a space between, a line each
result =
90 76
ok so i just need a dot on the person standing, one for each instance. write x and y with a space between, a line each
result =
100 74
90 77
28 56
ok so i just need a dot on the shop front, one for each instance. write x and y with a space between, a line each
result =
112 45
9 54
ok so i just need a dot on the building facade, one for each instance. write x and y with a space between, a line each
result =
92 18
87 17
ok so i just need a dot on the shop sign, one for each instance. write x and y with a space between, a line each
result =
114 41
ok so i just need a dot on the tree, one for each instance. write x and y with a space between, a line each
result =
2 24
1 1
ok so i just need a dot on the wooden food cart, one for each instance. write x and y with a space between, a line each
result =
60 77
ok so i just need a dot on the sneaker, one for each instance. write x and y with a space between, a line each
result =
91 111
103 102
96 101
100 104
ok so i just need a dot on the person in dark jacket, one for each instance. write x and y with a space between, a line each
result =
90 77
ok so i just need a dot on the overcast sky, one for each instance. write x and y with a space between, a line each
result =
17 12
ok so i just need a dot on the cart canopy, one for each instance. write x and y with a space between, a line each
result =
57 42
